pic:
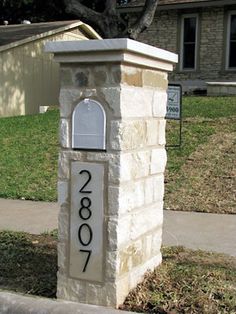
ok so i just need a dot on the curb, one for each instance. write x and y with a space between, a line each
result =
11 303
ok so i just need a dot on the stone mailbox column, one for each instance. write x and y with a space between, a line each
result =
111 166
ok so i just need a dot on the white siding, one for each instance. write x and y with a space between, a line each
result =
29 77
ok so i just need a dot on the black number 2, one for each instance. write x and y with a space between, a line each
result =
87 182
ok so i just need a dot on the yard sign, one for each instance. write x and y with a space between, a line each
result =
174 107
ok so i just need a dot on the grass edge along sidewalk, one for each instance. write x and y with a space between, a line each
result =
187 281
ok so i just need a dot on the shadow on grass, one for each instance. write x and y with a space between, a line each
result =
28 263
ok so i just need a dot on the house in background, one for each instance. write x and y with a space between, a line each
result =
29 78
202 33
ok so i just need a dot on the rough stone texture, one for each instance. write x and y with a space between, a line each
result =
164 33
134 100
65 131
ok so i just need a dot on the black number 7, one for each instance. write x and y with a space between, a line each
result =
87 260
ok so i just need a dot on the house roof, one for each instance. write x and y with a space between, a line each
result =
136 5
164 2
13 35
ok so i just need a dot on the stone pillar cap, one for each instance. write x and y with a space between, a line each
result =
112 50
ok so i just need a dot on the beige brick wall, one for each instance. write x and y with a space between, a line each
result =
164 33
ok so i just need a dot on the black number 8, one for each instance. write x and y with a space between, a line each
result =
85 207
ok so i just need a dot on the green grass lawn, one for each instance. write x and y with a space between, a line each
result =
28 156
200 175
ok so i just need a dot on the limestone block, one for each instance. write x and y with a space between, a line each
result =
158 188
82 77
137 274
118 231
101 76
156 241
123 289
148 191
75 155
155 79
67 98
146 219
112 233
159 104
70 289
63 224
127 134
125 260
152 132
112 96
134 165
130 256
62 256
136 102
62 192
113 160
113 200
95 294
65 133
110 295
162 132
101 294
99 156
112 265
63 167
147 246
158 160
66 77
131 76
131 196
114 169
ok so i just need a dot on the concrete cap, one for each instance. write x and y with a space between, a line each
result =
112 50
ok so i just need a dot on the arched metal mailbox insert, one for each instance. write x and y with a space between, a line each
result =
89 125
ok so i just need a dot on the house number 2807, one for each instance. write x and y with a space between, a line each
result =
85 232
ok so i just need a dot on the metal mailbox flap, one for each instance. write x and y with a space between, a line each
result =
89 125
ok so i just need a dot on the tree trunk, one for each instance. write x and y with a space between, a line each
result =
110 23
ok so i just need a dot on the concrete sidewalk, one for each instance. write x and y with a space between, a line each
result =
28 216
211 232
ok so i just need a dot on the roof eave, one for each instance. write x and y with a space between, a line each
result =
189 5
85 27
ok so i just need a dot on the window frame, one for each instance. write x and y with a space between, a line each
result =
183 17
228 29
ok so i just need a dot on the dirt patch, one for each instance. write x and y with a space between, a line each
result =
207 181
28 263
187 282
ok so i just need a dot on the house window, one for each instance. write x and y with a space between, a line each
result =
231 55
189 42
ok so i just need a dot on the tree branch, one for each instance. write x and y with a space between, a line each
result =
83 12
111 6
145 20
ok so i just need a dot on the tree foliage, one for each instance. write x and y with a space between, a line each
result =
16 11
